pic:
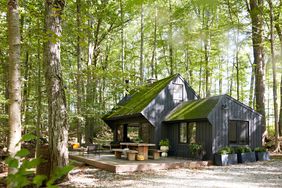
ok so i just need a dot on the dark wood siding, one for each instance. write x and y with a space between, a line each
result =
204 137
163 104
233 110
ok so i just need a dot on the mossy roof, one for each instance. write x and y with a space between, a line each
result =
193 110
139 99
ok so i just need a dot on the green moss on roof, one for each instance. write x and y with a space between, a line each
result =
192 110
139 99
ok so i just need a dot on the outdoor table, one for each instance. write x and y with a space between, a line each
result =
142 148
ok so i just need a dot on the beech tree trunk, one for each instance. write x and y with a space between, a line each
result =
57 109
78 84
14 80
255 10
142 45
275 104
171 63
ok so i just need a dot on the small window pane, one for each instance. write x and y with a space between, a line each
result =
192 132
183 133
243 130
232 132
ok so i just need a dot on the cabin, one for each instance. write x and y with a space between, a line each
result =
170 108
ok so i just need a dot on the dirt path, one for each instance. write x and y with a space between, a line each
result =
258 174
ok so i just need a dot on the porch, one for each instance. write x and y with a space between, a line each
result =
108 162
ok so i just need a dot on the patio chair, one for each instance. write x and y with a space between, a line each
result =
94 148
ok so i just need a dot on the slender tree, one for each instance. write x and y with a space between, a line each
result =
78 59
14 80
57 110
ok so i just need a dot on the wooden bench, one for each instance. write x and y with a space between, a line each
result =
131 154
156 153
118 153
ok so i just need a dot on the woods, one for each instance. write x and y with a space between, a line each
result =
65 64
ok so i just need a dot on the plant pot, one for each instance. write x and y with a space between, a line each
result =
262 156
164 150
226 159
246 157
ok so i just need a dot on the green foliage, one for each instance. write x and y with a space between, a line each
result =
164 142
195 148
242 149
260 149
226 150
23 169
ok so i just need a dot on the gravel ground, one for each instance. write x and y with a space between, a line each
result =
258 174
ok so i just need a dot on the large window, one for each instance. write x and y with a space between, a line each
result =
187 132
177 92
238 132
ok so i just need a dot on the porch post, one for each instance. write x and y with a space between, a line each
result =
125 132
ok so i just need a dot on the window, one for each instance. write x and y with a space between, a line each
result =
183 133
177 92
187 132
238 132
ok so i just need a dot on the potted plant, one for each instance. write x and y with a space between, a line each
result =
245 154
196 150
164 147
226 156
261 154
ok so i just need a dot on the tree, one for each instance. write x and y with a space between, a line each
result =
57 111
255 10
14 80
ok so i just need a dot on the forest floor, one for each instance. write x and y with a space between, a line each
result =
258 174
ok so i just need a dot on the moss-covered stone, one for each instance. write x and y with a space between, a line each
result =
140 98
192 110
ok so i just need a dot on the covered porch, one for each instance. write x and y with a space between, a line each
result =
131 129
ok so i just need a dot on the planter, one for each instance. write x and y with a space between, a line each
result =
225 159
262 156
164 150
246 157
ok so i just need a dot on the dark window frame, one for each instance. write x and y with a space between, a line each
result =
239 123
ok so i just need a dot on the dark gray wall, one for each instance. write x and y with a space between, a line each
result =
163 104
234 110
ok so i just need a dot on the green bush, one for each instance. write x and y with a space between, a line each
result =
260 149
243 149
195 148
226 150
23 166
164 142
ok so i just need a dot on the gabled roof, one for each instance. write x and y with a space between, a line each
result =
193 110
139 99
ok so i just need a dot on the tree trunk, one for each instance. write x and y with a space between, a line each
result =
255 11
57 112
154 55
122 37
275 104
78 84
14 80
279 32
170 40
142 45
251 96
39 97
89 89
